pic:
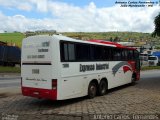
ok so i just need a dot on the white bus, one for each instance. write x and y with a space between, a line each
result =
58 67
153 61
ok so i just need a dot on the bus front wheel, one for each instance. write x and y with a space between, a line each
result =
92 90
133 79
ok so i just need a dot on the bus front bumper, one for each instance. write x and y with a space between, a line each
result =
39 93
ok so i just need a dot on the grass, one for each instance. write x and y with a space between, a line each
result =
10 69
12 38
150 68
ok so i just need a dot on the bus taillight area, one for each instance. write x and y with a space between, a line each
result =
54 84
40 93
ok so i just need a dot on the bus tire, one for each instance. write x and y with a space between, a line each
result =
102 89
92 90
133 79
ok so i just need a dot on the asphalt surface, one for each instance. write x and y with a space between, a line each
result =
9 85
10 82
145 75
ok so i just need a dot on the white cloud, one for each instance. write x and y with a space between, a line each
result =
19 4
41 5
67 17
25 6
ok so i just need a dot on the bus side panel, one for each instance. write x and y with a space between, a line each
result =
73 87
118 74
75 81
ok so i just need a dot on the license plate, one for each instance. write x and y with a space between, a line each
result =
36 93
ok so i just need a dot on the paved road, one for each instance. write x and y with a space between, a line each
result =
150 74
125 102
9 85
9 82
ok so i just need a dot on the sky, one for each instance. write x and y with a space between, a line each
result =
76 16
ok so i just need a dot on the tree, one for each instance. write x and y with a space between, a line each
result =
111 39
157 26
116 39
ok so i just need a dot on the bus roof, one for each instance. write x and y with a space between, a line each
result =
94 41
111 43
61 37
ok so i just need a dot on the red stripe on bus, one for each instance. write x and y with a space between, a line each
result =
40 93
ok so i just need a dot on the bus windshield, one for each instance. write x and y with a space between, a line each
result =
152 58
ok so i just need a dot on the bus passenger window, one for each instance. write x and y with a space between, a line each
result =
71 52
82 52
117 54
65 52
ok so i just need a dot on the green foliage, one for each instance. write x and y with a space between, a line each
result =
157 26
150 67
123 36
10 69
12 38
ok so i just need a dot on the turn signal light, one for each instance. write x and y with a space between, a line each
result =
54 84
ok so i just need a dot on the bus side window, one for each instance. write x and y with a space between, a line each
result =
117 54
67 51
64 51
82 52
98 53
129 55
92 52
71 52
106 53
111 51
124 55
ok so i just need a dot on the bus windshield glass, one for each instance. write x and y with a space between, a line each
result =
152 58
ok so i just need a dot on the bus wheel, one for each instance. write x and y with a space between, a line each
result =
133 79
92 90
102 87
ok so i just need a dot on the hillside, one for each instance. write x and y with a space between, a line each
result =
12 38
139 38
123 36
